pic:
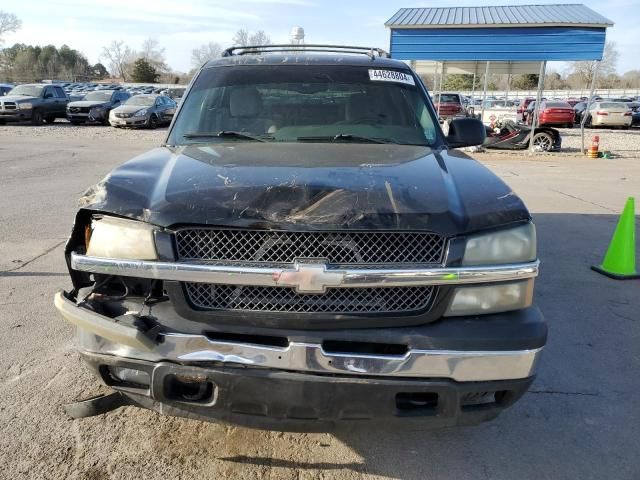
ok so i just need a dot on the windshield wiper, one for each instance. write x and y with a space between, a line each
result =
228 133
346 137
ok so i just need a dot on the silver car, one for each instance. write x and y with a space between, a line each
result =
609 114
144 110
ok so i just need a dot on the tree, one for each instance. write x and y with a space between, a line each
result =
144 72
119 57
631 79
460 81
259 38
154 54
8 23
98 71
28 63
585 70
243 38
528 81
554 81
204 53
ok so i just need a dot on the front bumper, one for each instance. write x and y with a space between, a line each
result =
293 401
460 362
15 115
78 117
128 122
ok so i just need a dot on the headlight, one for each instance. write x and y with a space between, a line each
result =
483 299
513 245
24 106
113 237
140 113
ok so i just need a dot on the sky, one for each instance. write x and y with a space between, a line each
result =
180 26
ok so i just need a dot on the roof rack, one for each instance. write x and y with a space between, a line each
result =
307 47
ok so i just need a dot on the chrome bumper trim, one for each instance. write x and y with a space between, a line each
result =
306 278
461 366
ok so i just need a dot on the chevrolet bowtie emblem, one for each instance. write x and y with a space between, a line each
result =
310 278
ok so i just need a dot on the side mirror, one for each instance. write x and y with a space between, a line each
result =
48 95
466 132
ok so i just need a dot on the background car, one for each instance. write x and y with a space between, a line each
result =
449 105
611 114
498 111
578 110
143 110
553 113
37 102
95 106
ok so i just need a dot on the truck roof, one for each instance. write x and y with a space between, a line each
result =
302 58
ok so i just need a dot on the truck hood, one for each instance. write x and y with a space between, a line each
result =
131 108
312 186
18 98
87 103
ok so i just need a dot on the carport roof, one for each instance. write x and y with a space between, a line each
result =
567 15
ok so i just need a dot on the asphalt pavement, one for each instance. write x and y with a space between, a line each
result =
581 419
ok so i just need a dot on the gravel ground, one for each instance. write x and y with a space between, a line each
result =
63 129
579 421
622 143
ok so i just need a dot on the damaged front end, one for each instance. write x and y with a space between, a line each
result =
145 335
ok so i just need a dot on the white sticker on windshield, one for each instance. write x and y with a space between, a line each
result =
391 76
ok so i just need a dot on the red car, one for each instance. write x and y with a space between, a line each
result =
450 105
554 113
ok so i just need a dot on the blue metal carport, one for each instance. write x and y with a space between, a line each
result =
517 34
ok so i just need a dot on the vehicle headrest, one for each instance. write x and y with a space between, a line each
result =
245 102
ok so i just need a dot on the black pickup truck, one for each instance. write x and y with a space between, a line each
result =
36 103
306 251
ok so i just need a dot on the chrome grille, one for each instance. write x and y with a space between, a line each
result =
123 115
8 106
334 300
79 109
339 248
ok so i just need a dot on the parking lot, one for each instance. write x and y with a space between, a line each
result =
581 420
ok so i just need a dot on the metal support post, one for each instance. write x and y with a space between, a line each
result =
534 119
589 102
484 89
440 88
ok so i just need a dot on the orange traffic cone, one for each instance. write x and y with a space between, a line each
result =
620 260
593 148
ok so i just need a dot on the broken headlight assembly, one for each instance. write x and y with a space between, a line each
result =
113 237
509 246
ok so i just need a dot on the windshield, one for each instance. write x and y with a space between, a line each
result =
557 105
498 103
141 100
448 98
293 103
611 106
28 90
98 96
